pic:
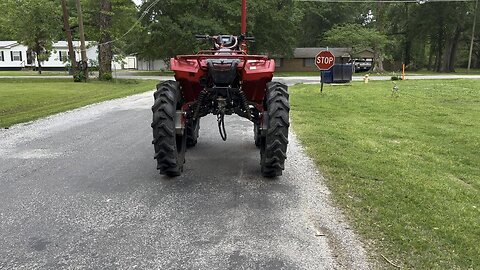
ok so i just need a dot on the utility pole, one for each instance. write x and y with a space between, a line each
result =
82 40
68 33
473 35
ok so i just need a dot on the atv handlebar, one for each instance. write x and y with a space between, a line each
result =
240 38
227 41
203 37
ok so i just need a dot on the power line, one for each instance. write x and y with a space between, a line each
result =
145 12
135 24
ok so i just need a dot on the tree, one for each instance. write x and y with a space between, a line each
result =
275 25
34 23
4 21
358 37
107 21
427 35
169 29
317 18
105 53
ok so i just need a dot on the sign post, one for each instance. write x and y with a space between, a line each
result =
324 61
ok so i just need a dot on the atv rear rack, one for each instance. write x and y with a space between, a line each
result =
220 56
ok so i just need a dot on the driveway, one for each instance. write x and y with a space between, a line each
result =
81 190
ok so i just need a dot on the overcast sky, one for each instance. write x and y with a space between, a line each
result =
138 2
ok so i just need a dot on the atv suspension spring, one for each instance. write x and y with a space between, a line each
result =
198 106
221 126
245 105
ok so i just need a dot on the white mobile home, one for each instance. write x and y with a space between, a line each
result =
15 56
144 64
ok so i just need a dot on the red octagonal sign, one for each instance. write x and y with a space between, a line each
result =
324 60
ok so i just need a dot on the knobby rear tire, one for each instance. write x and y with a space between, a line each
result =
169 146
273 147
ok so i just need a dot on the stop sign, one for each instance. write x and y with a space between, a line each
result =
324 60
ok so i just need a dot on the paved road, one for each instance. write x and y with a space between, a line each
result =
80 190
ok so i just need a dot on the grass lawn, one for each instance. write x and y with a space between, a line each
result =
23 100
458 71
33 73
406 169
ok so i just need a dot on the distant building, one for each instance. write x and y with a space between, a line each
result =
303 59
133 62
144 64
15 56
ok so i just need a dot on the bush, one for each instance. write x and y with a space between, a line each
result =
105 77
79 76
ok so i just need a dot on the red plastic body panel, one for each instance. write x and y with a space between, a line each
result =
255 71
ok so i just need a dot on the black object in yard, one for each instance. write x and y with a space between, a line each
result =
339 73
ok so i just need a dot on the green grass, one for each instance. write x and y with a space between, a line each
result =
33 73
458 71
23 100
406 169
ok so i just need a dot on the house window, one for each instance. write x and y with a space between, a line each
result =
278 62
63 56
16 56
2 57
309 62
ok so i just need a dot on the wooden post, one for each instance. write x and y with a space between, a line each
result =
82 40
403 72
473 36
68 33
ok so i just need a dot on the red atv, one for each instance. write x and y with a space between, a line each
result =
222 81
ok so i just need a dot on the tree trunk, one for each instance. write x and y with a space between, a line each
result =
408 40
439 48
377 53
446 56
105 54
453 54
408 47
39 62
477 61
431 53
377 60
450 54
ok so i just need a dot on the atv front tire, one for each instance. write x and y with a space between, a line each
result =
273 147
169 146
